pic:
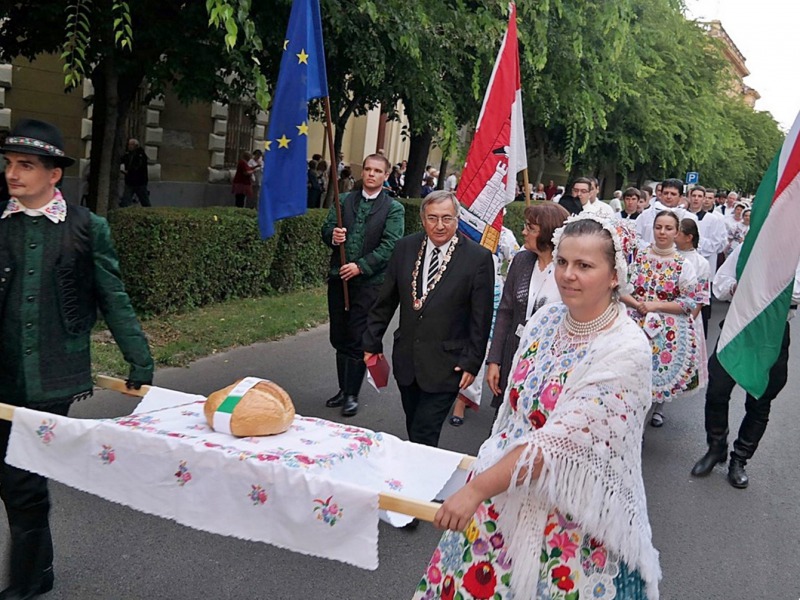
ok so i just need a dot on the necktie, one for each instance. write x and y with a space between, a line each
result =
433 267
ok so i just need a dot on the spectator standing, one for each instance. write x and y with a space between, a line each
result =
427 187
256 163
312 186
451 183
346 181
134 166
243 180
551 190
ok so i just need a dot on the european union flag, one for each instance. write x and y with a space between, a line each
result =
302 77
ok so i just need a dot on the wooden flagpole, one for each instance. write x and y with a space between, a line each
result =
333 179
526 185
420 509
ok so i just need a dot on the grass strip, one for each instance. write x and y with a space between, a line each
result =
176 340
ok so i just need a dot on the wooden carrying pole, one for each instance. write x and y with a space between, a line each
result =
420 509
333 179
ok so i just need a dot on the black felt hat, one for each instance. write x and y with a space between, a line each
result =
30 136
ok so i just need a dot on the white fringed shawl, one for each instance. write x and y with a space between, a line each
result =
591 449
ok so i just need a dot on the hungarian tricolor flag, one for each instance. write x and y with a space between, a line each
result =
497 152
751 338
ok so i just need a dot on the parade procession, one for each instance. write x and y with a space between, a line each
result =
350 374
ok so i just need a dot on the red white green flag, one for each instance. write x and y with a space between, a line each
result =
751 338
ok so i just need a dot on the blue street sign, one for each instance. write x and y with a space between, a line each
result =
692 177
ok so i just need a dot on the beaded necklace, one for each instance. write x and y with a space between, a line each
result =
596 325
418 302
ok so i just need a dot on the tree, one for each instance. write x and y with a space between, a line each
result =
119 47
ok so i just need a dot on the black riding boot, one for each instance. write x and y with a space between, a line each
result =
355 376
31 564
717 453
750 434
341 373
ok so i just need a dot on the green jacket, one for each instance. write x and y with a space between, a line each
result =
373 228
54 277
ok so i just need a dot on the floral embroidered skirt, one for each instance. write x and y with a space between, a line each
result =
475 565
675 355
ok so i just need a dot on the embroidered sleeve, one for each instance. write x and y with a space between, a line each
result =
687 288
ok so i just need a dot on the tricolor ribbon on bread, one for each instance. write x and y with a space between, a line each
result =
223 414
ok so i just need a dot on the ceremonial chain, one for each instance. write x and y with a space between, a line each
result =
418 302
578 328
662 252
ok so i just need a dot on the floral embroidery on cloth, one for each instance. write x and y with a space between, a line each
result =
55 210
258 495
327 511
672 337
45 431
107 454
182 475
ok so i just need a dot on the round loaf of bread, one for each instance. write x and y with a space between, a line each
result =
265 409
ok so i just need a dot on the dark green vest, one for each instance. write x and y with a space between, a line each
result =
47 308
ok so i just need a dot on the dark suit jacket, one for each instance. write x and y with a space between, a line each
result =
452 327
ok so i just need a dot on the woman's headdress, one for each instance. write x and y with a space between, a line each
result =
622 234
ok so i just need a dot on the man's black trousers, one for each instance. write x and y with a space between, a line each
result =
754 424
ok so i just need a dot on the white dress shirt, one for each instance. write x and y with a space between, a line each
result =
429 246
600 208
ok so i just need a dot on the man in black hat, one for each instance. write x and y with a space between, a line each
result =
57 268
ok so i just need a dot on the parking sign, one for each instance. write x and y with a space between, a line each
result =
692 177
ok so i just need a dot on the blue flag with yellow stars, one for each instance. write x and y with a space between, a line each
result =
301 78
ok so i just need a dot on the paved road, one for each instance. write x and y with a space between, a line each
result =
716 543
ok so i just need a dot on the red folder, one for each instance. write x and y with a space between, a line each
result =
378 371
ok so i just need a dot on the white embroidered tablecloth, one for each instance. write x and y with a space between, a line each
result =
313 489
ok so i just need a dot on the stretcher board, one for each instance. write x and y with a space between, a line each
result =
168 462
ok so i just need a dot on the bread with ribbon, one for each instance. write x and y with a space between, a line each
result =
264 409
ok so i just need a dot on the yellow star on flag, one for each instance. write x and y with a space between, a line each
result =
285 44
283 141
302 57
302 129
267 144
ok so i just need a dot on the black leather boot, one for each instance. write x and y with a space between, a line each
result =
341 372
737 476
717 453
355 376
31 564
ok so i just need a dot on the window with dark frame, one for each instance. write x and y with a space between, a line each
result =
136 125
239 136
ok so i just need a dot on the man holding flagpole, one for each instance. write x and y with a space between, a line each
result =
373 222
763 279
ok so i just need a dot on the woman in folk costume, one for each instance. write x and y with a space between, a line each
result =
530 284
663 298
687 241
555 505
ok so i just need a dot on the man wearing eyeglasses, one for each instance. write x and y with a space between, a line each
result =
373 222
444 285
594 204
579 198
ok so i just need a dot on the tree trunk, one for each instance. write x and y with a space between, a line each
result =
109 136
442 172
417 157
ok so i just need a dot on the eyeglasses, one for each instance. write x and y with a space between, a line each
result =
447 220
574 191
531 226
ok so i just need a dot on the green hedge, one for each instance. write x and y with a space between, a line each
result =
177 259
